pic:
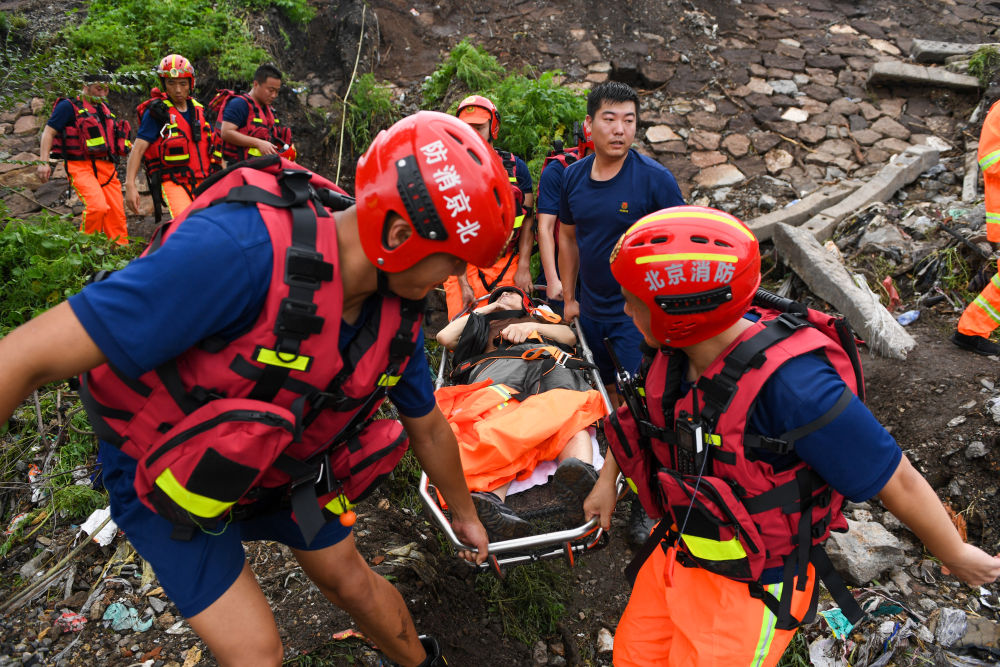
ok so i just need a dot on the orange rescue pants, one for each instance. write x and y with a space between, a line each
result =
101 194
453 292
501 439
176 198
701 619
982 316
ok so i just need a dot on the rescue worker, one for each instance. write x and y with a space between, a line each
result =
982 316
514 265
601 196
86 134
549 194
746 442
243 291
173 141
248 126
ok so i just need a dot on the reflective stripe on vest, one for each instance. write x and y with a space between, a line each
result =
199 505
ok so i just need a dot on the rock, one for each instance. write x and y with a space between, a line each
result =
19 205
707 121
540 654
702 159
783 87
976 450
795 115
802 210
656 72
891 128
704 139
766 202
866 137
605 641
586 52
738 145
17 161
778 159
864 552
157 604
318 101
891 72
718 176
812 133
26 125
660 133
927 51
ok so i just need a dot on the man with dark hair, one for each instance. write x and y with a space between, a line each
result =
244 134
602 195
83 131
982 316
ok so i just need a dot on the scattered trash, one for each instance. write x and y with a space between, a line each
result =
909 317
957 421
839 625
890 289
71 621
105 535
38 492
350 633
15 522
192 657
605 641
121 617
177 628
414 11
828 652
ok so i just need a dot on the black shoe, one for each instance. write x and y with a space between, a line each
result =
573 481
499 520
978 344
433 649
639 524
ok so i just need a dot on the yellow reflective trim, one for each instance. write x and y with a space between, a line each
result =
95 142
631 485
197 504
683 256
253 151
518 220
989 160
713 439
337 507
642 392
706 549
176 158
670 214
388 380
275 358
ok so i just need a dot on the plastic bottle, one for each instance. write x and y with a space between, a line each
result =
909 317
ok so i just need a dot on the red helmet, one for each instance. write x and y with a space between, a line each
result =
176 66
437 173
478 109
696 269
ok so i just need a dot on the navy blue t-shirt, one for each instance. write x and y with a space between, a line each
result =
62 115
149 129
236 112
602 211
210 279
550 188
523 176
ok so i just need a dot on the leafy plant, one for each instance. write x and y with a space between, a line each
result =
46 260
797 653
985 65
370 109
529 601
472 65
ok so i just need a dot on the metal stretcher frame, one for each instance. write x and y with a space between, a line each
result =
531 548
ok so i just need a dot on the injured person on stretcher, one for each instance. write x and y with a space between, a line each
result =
520 404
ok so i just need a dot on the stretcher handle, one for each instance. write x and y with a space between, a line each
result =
589 356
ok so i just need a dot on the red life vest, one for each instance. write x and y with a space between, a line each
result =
696 465
279 406
95 133
261 123
181 152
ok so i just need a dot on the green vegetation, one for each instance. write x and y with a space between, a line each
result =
534 111
985 65
797 653
46 260
529 600
131 34
370 109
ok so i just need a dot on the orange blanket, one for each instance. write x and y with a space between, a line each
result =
501 439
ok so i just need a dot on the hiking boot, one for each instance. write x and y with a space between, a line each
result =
978 344
639 524
434 657
572 482
500 521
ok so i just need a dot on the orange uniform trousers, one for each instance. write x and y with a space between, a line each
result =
700 619
96 183
982 316
453 292
175 197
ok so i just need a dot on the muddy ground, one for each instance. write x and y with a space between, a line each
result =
919 399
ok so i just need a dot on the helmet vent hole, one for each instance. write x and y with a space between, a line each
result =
723 244
496 195
659 239
699 239
473 155
455 137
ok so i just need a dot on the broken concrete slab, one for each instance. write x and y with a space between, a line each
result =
970 183
827 278
893 71
904 169
928 51
795 214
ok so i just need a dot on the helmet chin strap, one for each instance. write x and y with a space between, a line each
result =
383 283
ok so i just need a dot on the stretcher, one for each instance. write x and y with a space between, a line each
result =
567 543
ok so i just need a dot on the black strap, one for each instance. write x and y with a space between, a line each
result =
490 286
659 534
